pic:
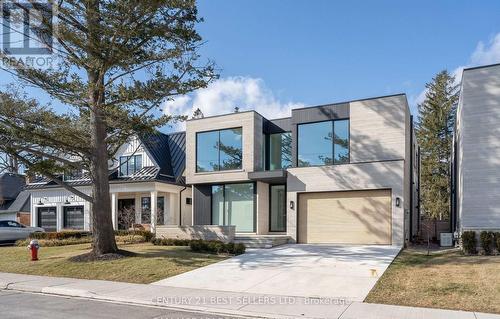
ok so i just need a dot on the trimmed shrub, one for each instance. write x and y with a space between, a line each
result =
239 249
496 241
216 247
148 236
170 242
469 242
66 234
486 241
56 242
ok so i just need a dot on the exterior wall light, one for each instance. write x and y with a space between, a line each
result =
292 204
398 201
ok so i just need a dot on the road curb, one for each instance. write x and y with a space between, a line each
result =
85 294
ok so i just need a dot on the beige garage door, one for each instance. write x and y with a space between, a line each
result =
357 217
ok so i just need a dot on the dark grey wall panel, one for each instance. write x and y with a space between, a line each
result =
202 205
320 113
315 114
277 125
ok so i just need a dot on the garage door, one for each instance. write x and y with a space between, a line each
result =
357 217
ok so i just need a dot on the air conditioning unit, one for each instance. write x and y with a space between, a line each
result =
446 239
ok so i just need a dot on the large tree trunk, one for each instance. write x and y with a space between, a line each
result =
102 225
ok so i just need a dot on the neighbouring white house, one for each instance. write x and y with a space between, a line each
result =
476 152
146 178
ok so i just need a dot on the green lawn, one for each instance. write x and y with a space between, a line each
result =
150 264
445 280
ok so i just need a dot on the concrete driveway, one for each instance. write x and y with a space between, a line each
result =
332 271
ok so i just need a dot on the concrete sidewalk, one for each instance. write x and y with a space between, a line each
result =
223 303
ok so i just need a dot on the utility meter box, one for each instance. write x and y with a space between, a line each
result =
446 239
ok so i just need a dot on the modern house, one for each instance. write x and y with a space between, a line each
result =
147 187
14 202
476 152
339 173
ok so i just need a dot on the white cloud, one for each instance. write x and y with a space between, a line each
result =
484 54
223 95
487 54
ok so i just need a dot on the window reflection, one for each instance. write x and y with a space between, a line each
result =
315 144
219 150
233 204
280 151
323 143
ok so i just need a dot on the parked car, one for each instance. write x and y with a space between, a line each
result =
10 231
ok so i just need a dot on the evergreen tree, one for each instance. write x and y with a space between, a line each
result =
434 134
197 114
119 60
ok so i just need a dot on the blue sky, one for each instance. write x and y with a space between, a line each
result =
275 55
317 52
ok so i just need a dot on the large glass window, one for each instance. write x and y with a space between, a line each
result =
207 151
218 205
315 144
277 208
233 204
130 164
279 151
323 143
219 150
341 142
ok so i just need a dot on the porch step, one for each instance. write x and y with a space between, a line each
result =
261 241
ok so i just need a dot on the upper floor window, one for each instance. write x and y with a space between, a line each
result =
130 164
219 150
73 175
279 151
323 143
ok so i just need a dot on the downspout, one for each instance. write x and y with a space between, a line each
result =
180 205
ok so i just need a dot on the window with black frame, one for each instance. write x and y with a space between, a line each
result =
219 150
323 143
145 210
279 151
130 164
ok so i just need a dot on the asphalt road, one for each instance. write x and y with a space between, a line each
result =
15 305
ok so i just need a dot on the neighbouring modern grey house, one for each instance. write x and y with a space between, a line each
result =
14 202
476 152
147 187
338 173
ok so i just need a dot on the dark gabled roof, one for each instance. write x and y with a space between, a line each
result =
177 148
167 150
11 185
157 146
21 204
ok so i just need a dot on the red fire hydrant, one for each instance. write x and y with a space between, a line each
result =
33 247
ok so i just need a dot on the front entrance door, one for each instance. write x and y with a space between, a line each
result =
277 209
126 213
